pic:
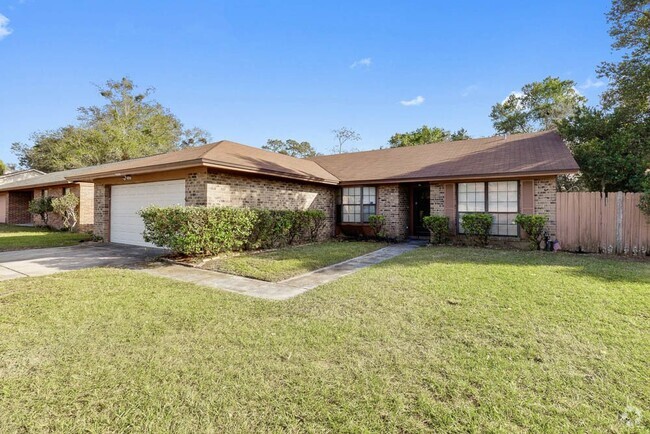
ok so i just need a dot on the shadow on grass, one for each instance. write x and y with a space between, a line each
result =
610 269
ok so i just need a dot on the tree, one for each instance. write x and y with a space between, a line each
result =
66 207
41 206
129 125
539 106
344 135
290 147
613 153
3 167
426 134
629 79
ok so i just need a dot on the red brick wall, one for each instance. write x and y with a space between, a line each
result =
17 207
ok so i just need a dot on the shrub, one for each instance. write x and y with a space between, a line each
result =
41 206
197 231
317 219
376 223
66 207
534 225
477 226
438 225
200 231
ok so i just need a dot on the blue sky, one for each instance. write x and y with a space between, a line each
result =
252 70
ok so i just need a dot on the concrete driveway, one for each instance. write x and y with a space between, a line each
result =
41 262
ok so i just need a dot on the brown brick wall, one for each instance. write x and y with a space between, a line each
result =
85 211
437 199
393 203
101 214
225 189
17 207
545 203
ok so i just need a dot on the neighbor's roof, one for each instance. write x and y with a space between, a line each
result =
47 179
223 155
517 154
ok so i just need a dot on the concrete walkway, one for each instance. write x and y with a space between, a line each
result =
41 262
280 290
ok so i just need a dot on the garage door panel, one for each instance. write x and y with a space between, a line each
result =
127 200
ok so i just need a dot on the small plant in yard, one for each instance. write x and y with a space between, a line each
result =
534 225
377 223
438 225
41 206
66 207
477 226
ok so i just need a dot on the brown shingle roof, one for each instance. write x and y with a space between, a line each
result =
44 180
517 154
224 155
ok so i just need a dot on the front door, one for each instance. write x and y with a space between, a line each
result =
420 195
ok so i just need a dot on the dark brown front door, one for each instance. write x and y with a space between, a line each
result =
421 207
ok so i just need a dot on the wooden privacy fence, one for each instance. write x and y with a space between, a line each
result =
602 222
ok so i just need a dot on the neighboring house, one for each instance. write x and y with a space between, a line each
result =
15 197
19 175
502 175
16 175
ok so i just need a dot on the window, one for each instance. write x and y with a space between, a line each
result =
66 190
357 204
501 200
44 193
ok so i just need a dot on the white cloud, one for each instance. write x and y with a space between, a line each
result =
592 83
516 93
418 100
469 90
4 27
365 63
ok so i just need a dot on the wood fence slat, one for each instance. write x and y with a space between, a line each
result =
610 223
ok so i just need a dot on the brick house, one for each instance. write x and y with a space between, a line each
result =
500 175
15 197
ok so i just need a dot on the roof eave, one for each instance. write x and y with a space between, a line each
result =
460 177
200 162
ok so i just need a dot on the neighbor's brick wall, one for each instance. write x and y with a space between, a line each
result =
17 207
545 203
225 189
393 203
85 211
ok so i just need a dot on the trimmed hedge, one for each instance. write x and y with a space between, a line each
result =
477 226
201 231
438 225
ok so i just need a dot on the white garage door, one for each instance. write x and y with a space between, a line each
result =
3 208
127 200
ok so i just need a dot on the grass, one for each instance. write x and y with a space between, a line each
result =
280 264
438 339
21 237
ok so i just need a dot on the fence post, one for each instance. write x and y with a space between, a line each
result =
619 222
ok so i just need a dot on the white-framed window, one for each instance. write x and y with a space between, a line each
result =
357 204
499 198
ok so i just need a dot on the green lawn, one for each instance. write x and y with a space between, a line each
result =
438 339
284 263
21 237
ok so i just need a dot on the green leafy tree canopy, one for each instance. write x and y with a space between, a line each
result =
290 147
629 78
539 106
129 125
426 134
